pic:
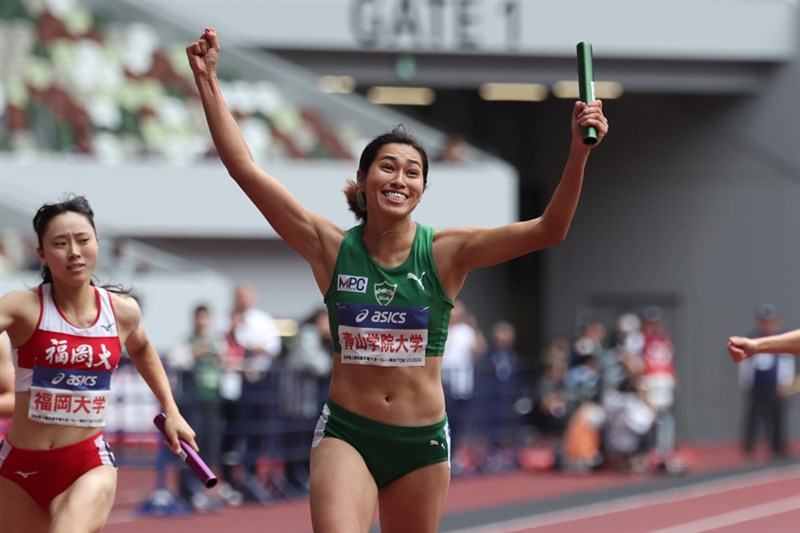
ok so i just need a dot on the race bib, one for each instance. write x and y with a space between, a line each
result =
69 397
382 335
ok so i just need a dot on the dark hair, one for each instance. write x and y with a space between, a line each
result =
72 203
398 135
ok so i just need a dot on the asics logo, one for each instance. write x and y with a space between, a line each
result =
75 380
382 317
25 474
107 327
413 276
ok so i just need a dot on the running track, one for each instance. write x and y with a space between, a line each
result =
720 494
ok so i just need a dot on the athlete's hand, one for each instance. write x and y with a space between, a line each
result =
204 53
590 114
741 348
175 426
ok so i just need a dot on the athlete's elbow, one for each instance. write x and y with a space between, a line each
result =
555 236
238 168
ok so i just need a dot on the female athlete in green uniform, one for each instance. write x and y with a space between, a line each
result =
389 285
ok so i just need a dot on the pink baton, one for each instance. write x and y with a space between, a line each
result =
190 456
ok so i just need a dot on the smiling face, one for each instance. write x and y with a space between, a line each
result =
69 247
395 182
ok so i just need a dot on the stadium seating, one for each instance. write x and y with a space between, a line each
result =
75 82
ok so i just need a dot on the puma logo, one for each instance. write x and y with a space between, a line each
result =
25 474
107 327
413 276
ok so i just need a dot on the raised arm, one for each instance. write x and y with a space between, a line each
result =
743 347
462 250
312 236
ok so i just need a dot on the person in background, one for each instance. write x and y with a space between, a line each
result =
657 378
68 335
231 441
629 419
389 284
498 387
257 333
306 370
199 363
455 150
465 345
765 378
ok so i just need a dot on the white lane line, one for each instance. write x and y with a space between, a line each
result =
736 517
632 502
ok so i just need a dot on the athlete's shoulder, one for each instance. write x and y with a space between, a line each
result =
20 300
126 308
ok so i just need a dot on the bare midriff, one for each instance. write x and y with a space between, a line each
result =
31 435
402 396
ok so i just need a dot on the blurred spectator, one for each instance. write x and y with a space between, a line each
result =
629 419
465 344
31 261
199 364
258 334
581 448
498 386
454 150
582 382
124 262
551 411
306 371
589 341
765 378
623 361
658 377
230 391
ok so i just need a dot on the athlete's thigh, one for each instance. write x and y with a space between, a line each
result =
343 493
415 501
18 511
87 502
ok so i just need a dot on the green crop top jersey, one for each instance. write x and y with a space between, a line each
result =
387 316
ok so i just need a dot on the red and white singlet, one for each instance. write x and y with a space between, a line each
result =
68 369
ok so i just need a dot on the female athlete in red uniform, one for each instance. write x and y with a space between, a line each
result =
57 472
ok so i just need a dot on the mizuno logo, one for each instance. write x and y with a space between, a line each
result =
25 474
413 276
108 327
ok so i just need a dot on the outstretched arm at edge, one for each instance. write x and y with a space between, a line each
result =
743 347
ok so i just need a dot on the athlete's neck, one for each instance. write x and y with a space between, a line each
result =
77 303
389 246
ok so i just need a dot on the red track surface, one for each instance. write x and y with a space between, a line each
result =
766 501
